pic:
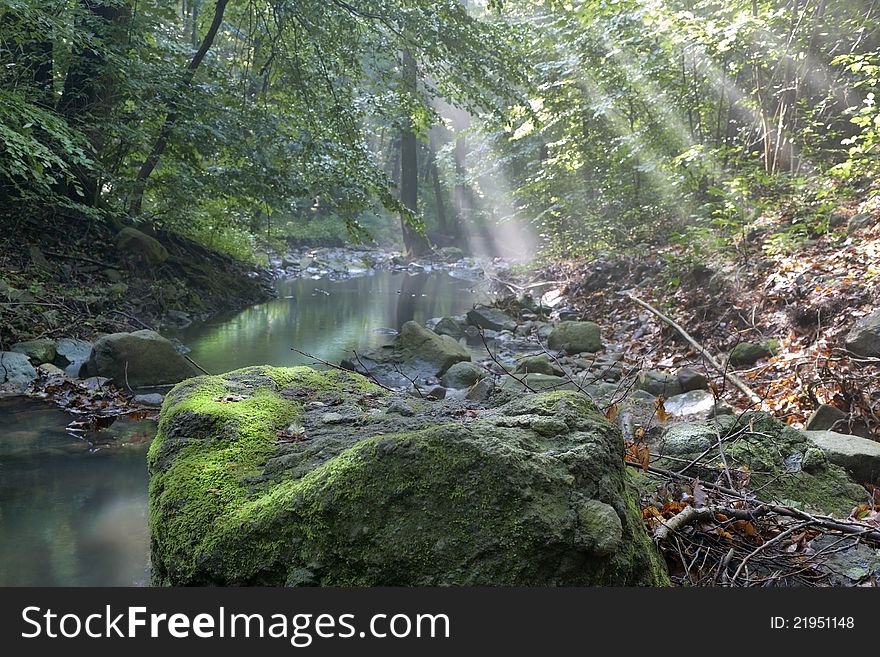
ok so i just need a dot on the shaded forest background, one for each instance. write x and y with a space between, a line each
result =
599 124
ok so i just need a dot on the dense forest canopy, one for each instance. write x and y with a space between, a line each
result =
596 122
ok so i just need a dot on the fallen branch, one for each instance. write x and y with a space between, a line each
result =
692 514
334 366
776 539
64 256
849 527
735 380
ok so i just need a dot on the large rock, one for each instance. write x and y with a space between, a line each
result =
70 351
749 353
132 242
38 351
420 350
451 326
493 319
16 372
783 464
864 337
463 375
540 364
142 358
859 456
575 337
249 486
827 417
659 383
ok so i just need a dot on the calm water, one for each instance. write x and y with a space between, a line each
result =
327 319
73 513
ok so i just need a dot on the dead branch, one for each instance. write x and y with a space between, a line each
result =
773 541
844 526
691 514
334 366
735 380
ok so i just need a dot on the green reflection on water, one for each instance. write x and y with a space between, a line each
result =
329 326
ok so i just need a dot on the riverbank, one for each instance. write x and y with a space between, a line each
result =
75 279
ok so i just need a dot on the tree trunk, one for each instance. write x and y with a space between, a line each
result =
414 241
89 90
152 160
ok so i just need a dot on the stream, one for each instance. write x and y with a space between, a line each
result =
74 513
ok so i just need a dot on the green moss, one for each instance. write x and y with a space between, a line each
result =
446 503
780 461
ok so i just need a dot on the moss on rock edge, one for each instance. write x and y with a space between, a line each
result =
532 493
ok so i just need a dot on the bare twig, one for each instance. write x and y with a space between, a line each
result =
735 380
773 541
342 369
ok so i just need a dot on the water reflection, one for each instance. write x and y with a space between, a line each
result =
328 319
69 515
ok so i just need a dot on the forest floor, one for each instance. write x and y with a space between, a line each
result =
807 299
61 277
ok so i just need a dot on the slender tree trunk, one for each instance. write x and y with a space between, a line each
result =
439 197
414 242
152 160
90 89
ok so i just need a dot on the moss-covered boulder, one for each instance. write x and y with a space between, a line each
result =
780 462
132 242
575 337
38 351
749 353
271 476
539 364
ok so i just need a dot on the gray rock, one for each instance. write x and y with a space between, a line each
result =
16 372
401 408
38 351
139 359
846 565
9 293
684 439
575 337
48 369
695 402
451 326
72 352
859 456
826 417
659 383
418 351
544 330
491 318
481 391
153 399
540 364
859 222
864 337
463 375
692 380
437 392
